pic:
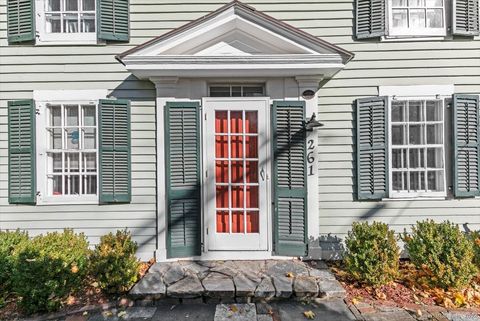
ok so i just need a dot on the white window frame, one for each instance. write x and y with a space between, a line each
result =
42 99
420 92
60 38
241 85
413 32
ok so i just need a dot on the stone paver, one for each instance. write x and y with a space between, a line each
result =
284 267
189 287
218 286
174 274
135 313
331 289
305 286
244 286
398 315
236 312
458 316
283 286
181 312
264 317
265 290
150 286
331 310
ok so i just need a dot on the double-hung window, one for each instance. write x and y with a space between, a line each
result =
417 148
416 18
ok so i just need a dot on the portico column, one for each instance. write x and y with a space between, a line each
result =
166 88
305 84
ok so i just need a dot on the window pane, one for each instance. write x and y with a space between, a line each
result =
90 185
415 111
87 21
71 112
72 138
236 122
55 115
416 158
72 184
397 181
236 146
237 197
399 18
400 3
417 18
71 5
237 222
56 183
236 91
252 171
55 138
220 91
252 222
256 91
71 162
222 196
435 180
221 146
435 157
434 3
416 3
223 222
251 122
53 5
89 138
398 111
70 23
53 23
89 118
221 171
237 171
434 110
434 18
88 5
399 158
414 181
90 162
416 135
398 135
435 134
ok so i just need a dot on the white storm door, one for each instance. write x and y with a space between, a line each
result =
236 146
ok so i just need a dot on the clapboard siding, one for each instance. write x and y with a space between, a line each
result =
26 68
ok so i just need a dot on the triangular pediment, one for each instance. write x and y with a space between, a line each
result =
240 34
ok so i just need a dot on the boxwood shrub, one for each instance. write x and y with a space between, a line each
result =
443 252
372 253
49 268
475 238
114 263
10 242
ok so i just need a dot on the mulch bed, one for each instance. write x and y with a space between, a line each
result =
409 290
90 295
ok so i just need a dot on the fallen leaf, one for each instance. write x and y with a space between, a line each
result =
233 308
419 312
459 299
380 295
74 269
309 314
71 300
122 314
447 303
355 301
289 275
85 313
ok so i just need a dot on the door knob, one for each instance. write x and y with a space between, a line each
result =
262 174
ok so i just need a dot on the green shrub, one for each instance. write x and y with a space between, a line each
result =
443 252
114 263
475 238
372 255
49 268
10 241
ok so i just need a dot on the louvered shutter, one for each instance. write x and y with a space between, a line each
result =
372 148
290 178
466 142
21 152
369 18
182 149
114 151
465 17
113 20
20 20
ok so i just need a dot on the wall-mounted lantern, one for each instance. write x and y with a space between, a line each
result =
312 123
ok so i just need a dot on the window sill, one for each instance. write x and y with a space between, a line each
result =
413 38
415 198
71 41
74 200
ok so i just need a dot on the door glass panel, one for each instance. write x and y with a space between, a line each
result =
236 172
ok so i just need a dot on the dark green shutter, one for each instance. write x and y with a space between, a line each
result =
290 178
466 142
113 20
20 20
182 157
114 151
369 18
372 148
21 152
465 18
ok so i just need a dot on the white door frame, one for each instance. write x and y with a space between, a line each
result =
236 242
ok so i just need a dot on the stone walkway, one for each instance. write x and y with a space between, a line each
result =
236 282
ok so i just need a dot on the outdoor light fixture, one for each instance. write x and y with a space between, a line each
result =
312 123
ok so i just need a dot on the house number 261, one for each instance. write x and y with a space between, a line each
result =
310 156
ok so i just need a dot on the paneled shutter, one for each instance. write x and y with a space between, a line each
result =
369 18
466 17
114 151
21 152
466 142
182 151
372 148
113 20
290 178
20 20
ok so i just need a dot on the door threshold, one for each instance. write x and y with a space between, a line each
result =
230 256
